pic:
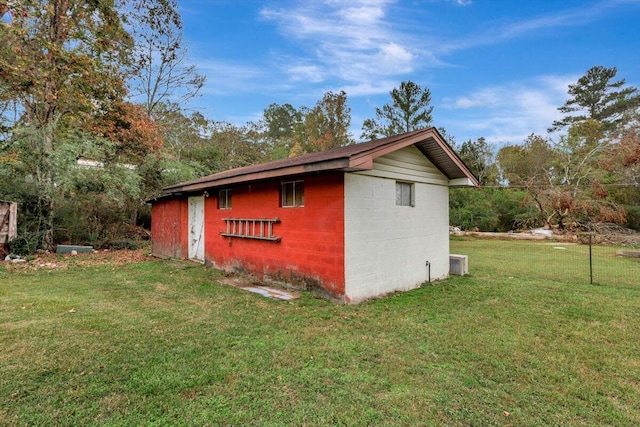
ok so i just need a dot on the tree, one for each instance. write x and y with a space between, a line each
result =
127 126
283 123
621 163
326 126
235 145
161 74
597 96
577 154
59 61
181 131
580 176
288 132
627 142
450 139
161 80
409 110
598 106
479 156
529 166
490 209
564 181
97 202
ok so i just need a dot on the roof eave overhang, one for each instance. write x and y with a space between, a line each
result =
469 178
429 141
328 165
365 161
163 197
462 182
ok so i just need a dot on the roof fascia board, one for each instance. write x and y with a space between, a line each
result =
457 160
336 164
365 160
461 182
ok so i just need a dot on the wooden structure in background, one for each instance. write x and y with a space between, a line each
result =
8 223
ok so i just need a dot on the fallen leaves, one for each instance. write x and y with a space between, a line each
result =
57 261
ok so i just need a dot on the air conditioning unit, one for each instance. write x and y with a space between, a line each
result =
458 264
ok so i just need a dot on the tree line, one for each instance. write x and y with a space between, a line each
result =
586 171
94 121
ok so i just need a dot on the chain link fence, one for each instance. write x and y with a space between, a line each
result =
590 258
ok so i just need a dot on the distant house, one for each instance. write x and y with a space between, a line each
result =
349 223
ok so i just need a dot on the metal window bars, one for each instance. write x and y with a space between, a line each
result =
251 228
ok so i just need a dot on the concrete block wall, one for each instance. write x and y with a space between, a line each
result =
387 246
311 246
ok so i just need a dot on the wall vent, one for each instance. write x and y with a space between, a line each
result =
458 264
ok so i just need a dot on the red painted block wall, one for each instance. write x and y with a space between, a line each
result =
169 228
311 249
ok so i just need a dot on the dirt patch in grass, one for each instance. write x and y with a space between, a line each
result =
56 261
251 284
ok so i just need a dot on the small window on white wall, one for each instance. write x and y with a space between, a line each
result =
405 194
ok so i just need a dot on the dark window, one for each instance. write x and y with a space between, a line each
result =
405 194
224 199
292 194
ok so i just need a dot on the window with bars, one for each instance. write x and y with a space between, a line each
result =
405 194
224 199
292 194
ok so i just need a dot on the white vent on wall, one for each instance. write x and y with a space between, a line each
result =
458 264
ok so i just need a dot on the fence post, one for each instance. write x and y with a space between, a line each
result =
590 262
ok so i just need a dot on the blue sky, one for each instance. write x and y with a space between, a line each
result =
496 68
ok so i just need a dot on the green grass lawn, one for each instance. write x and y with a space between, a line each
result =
164 343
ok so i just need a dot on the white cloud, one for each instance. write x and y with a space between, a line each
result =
493 34
363 13
353 41
225 77
370 88
306 72
463 102
509 113
359 42
393 54
366 47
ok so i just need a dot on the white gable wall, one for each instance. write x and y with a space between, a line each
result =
387 246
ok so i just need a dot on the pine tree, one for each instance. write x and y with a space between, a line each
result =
597 96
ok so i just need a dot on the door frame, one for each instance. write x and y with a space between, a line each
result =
196 228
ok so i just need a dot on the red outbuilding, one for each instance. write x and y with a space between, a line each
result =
348 224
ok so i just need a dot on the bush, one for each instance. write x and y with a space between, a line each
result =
490 209
26 243
633 217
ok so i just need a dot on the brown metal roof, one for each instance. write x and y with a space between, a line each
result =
356 157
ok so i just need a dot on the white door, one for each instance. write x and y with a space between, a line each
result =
196 228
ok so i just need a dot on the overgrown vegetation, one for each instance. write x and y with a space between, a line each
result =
164 343
569 181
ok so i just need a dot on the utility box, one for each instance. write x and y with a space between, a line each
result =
67 249
458 264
